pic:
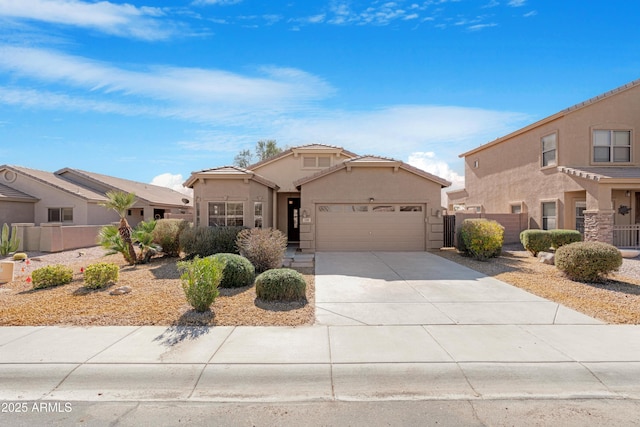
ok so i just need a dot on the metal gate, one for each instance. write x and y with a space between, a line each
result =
449 231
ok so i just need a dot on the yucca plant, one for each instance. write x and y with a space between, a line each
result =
9 241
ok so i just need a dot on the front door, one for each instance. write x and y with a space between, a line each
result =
581 206
293 219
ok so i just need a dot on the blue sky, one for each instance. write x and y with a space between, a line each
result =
152 90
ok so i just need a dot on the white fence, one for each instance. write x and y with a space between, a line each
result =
626 236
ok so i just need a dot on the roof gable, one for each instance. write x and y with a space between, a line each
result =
373 161
11 194
303 149
560 114
228 172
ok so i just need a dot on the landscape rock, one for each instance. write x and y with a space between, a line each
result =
547 258
120 291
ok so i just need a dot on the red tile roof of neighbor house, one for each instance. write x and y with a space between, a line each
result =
555 116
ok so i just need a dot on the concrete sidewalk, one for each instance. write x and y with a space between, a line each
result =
373 341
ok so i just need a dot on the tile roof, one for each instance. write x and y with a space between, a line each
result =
58 182
154 194
11 194
603 173
228 171
290 151
373 160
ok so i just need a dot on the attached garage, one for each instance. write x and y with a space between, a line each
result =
370 227
371 204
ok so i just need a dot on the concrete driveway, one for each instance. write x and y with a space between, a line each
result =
420 288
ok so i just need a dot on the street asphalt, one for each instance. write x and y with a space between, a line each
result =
389 327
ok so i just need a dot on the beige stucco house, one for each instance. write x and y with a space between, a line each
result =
326 198
73 197
577 169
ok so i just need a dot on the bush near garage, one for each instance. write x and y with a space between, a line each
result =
51 275
482 238
200 280
264 247
100 275
166 234
535 241
588 261
206 241
238 271
562 237
281 284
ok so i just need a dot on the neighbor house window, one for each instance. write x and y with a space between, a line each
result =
549 216
611 146
60 215
516 209
316 161
223 214
257 214
549 150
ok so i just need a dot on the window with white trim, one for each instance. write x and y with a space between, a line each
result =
549 150
611 146
226 214
60 215
549 216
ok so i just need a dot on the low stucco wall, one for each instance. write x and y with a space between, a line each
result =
54 237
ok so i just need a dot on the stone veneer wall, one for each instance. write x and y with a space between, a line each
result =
598 226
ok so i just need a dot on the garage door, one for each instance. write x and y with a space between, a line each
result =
383 227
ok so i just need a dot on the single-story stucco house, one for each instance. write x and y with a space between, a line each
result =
326 198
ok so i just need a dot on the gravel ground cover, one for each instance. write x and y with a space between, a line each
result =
615 300
156 297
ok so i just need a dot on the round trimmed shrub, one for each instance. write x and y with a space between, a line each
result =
588 261
562 237
100 275
19 256
482 238
281 284
51 275
536 241
238 271
167 235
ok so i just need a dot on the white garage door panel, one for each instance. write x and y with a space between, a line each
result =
340 228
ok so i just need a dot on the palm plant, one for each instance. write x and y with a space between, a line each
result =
121 202
109 238
143 235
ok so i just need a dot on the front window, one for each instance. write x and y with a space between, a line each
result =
549 216
257 215
611 146
223 214
60 215
549 150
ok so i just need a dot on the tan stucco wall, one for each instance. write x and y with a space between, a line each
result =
11 212
234 190
384 185
510 171
285 171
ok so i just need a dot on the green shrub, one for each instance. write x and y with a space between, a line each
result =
101 274
167 235
481 238
564 237
535 241
200 279
51 275
238 271
281 284
19 256
264 247
205 241
588 261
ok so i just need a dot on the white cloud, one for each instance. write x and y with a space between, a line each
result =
173 182
428 161
517 3
189 92
117 19
217 2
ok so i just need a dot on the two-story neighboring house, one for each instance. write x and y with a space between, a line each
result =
326 198
577 169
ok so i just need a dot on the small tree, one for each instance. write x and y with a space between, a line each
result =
265 148
121 202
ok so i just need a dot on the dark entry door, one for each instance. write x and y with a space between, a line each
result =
293 219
